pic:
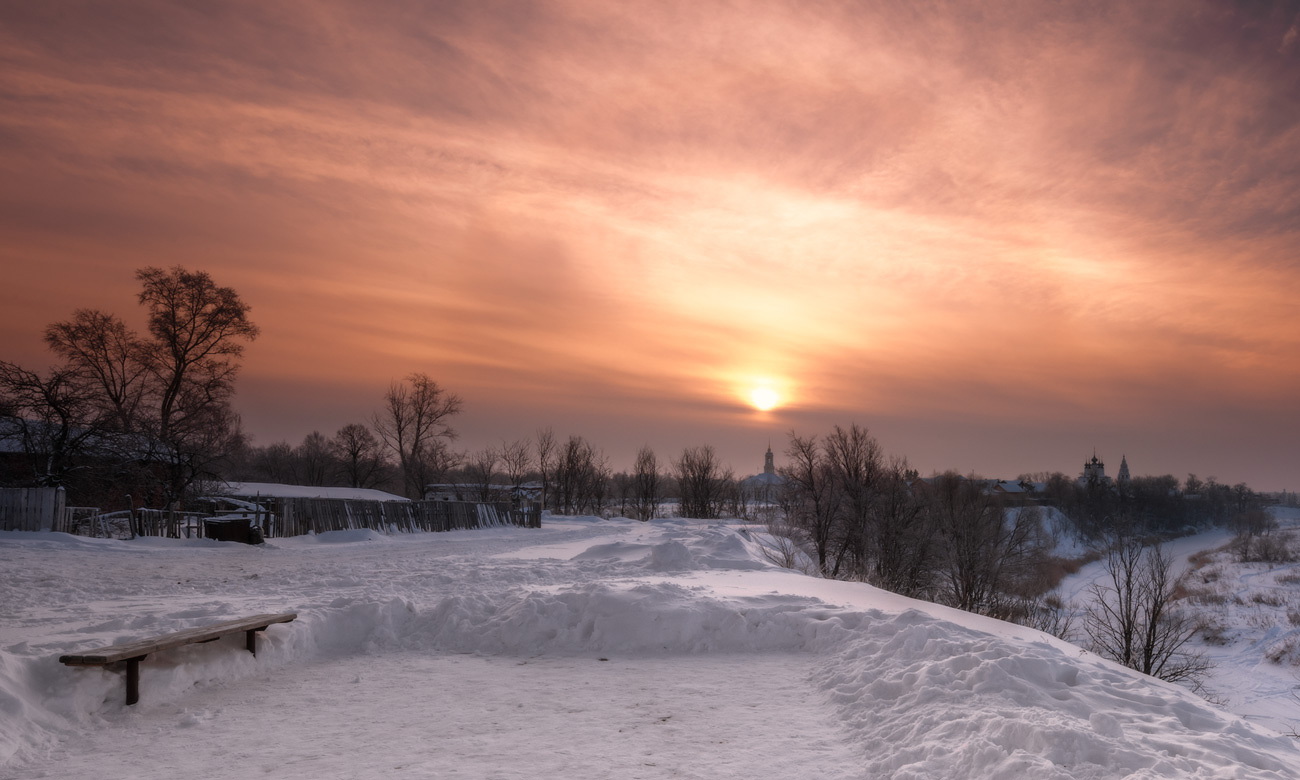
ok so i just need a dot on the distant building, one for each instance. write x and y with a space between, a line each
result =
458 491
763 486
1020 490
1094 472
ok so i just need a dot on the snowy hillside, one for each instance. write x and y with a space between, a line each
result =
1253 612
586 648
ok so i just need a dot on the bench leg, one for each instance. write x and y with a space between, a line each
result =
133 680
250 639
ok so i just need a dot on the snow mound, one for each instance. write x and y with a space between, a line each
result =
939 700
663 618
686 548
355 535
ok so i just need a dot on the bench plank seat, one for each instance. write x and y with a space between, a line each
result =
135 652
189 636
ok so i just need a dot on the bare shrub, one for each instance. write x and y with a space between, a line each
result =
1201 596
1284 651
1258 540
1054 569
1276 548
1214 632
781 545
1267 599
1047 614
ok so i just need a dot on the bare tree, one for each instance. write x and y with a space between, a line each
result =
360 456
985 552
164 402
53 419
580 477
1132 619
198 332
621 488
904 552
414 423
109 357
856 462
702 482
809 498
316 463
480 468
516 462
645 487
546 454
276 462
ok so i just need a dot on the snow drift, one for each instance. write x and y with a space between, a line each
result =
907 689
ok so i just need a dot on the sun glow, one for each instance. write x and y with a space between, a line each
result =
764 398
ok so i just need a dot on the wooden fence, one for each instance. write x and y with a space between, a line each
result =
297 516
31 509
37 509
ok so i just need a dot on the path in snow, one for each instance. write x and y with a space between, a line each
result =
464 716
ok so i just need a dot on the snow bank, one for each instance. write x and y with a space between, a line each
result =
939 700
920 691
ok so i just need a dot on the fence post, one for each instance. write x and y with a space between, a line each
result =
56 518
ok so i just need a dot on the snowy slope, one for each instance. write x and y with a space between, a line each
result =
1254 609
586 648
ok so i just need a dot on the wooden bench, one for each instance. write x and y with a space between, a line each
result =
135 652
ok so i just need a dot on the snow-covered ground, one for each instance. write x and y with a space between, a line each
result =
1254 613
583 649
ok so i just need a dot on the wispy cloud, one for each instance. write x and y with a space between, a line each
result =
1009 211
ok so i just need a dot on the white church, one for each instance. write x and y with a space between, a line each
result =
1094 471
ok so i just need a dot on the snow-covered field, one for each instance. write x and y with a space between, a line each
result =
584 649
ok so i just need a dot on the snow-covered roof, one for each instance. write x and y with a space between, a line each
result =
1014 486
276 490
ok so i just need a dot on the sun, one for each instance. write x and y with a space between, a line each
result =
764 398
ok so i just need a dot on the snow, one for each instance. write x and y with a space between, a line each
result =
1255 615
277 490
586 648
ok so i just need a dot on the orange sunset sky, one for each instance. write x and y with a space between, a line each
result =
999 234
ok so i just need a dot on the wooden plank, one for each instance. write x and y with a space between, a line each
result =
142 647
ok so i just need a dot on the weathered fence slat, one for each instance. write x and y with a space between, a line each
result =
31 509
299 516
34 509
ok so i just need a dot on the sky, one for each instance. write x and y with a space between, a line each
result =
1002 235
